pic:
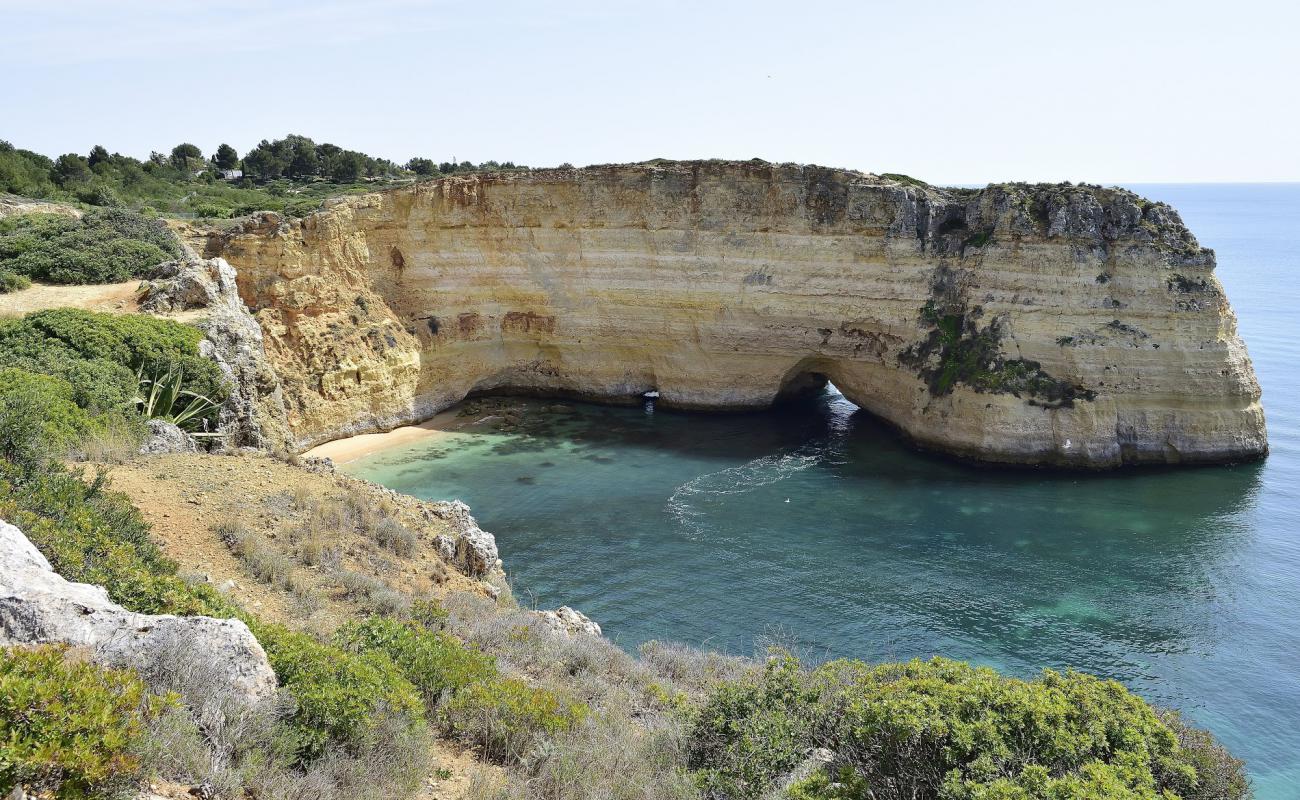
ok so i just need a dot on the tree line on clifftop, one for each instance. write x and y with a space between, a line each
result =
291 175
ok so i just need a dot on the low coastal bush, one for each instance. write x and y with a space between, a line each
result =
67 726
507 718
752 731
1219 774
340 695
105 362
117 348
38 416
104 246
435 662
945 729
12 281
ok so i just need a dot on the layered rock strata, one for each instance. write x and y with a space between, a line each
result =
1040 324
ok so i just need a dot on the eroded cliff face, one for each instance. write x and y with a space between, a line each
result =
1035 324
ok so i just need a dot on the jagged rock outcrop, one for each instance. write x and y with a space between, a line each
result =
568 621
254 413
471 550
1047 324
37 606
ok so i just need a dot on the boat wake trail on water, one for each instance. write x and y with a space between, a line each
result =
689 503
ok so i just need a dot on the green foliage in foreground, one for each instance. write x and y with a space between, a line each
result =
340 695
92 535
104 246
506 718
940 730
101 356
753 731
381 672
38 414
66 726
436 663
946 730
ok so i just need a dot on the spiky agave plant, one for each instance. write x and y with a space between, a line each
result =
163 398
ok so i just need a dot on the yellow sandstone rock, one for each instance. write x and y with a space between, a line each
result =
1044 324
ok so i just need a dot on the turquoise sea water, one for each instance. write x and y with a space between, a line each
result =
819 528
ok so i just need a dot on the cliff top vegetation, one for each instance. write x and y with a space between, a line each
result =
292 175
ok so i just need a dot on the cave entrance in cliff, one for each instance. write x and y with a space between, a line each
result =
805 381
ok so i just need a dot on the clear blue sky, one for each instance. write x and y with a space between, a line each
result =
958 92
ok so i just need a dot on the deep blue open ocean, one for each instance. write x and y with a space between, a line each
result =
821 530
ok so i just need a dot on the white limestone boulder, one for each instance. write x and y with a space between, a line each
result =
37 606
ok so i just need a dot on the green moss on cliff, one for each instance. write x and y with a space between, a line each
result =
970 355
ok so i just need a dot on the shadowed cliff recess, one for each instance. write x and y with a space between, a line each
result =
1069 325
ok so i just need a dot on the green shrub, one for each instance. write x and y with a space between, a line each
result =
506 718
340 694
753 730
433 661
1219 775
38 417
12 281
97 384
67 727
821 785
211 211
946 729
101 354
940 729
105 245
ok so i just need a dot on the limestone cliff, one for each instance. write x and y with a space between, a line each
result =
1056 324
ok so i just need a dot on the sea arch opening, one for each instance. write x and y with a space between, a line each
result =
808 379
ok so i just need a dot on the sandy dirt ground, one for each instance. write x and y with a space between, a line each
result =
113 298
116 297
183 497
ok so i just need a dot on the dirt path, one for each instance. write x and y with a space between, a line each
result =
116 297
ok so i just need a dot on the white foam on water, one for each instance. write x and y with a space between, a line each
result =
741 479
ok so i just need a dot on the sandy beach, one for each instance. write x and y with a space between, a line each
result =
341 451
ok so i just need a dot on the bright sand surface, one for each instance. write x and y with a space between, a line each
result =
341 451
